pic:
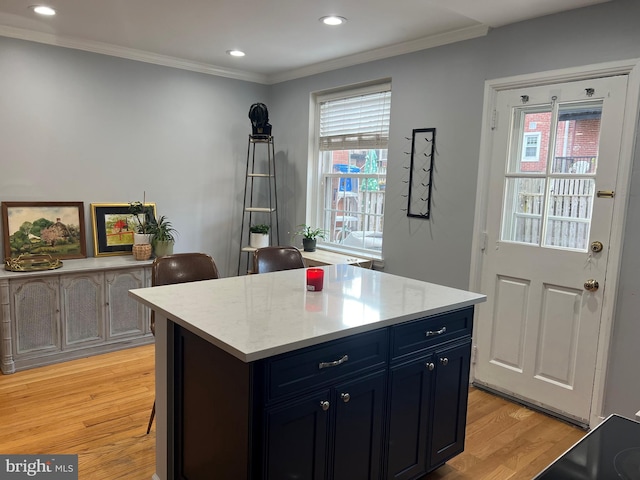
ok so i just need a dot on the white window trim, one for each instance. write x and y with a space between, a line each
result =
314 210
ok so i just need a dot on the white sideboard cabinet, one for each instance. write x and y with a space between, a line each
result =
78 310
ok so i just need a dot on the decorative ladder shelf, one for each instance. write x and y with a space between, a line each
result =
260 196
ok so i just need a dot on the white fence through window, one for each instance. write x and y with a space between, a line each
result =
568 214
354 214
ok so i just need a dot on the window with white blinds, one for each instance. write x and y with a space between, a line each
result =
355 122
350 169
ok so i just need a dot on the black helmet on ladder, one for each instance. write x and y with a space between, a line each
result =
259 116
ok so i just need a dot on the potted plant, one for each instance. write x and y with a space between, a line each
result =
144 223
259 235
163 237
309 236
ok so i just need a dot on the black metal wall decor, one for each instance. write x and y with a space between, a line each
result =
423 148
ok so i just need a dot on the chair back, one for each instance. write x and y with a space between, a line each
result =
274 259
181 268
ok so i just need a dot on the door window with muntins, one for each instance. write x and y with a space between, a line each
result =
550 174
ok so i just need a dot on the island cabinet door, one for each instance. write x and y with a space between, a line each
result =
410 389
297 438
451 388
358 426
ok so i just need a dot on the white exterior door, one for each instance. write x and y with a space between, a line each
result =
554 166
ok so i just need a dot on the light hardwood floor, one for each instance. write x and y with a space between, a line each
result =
98 407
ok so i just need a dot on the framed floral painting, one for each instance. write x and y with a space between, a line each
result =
113 227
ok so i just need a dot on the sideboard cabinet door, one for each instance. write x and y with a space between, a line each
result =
82 309
35 307
125 316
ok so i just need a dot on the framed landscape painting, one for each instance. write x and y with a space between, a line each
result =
114 226
44 228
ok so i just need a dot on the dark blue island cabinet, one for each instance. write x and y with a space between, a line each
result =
385 404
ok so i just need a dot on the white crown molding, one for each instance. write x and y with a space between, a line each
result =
167 61
129 53
381 53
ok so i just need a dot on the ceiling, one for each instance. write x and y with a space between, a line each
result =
283 39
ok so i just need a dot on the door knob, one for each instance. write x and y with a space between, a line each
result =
324 405
596 246
345 397
591 285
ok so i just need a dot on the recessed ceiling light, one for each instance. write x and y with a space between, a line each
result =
333 20
236 53
43 10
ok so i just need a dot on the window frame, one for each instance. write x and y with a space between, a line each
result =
523 156
315 185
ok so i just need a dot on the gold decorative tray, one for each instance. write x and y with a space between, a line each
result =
32 263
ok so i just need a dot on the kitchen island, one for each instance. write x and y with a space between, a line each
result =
256 378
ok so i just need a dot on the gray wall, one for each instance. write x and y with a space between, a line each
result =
80 126
443 88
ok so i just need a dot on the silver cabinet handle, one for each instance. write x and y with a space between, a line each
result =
430 366
444 361
334 363
431 333
325 405
345 397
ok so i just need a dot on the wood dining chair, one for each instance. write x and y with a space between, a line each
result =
179 268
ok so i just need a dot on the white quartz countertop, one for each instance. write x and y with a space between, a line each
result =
258 316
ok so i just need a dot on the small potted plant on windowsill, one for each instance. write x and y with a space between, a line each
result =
309 236
259 235
163 237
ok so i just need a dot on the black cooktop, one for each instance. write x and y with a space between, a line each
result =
611 451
